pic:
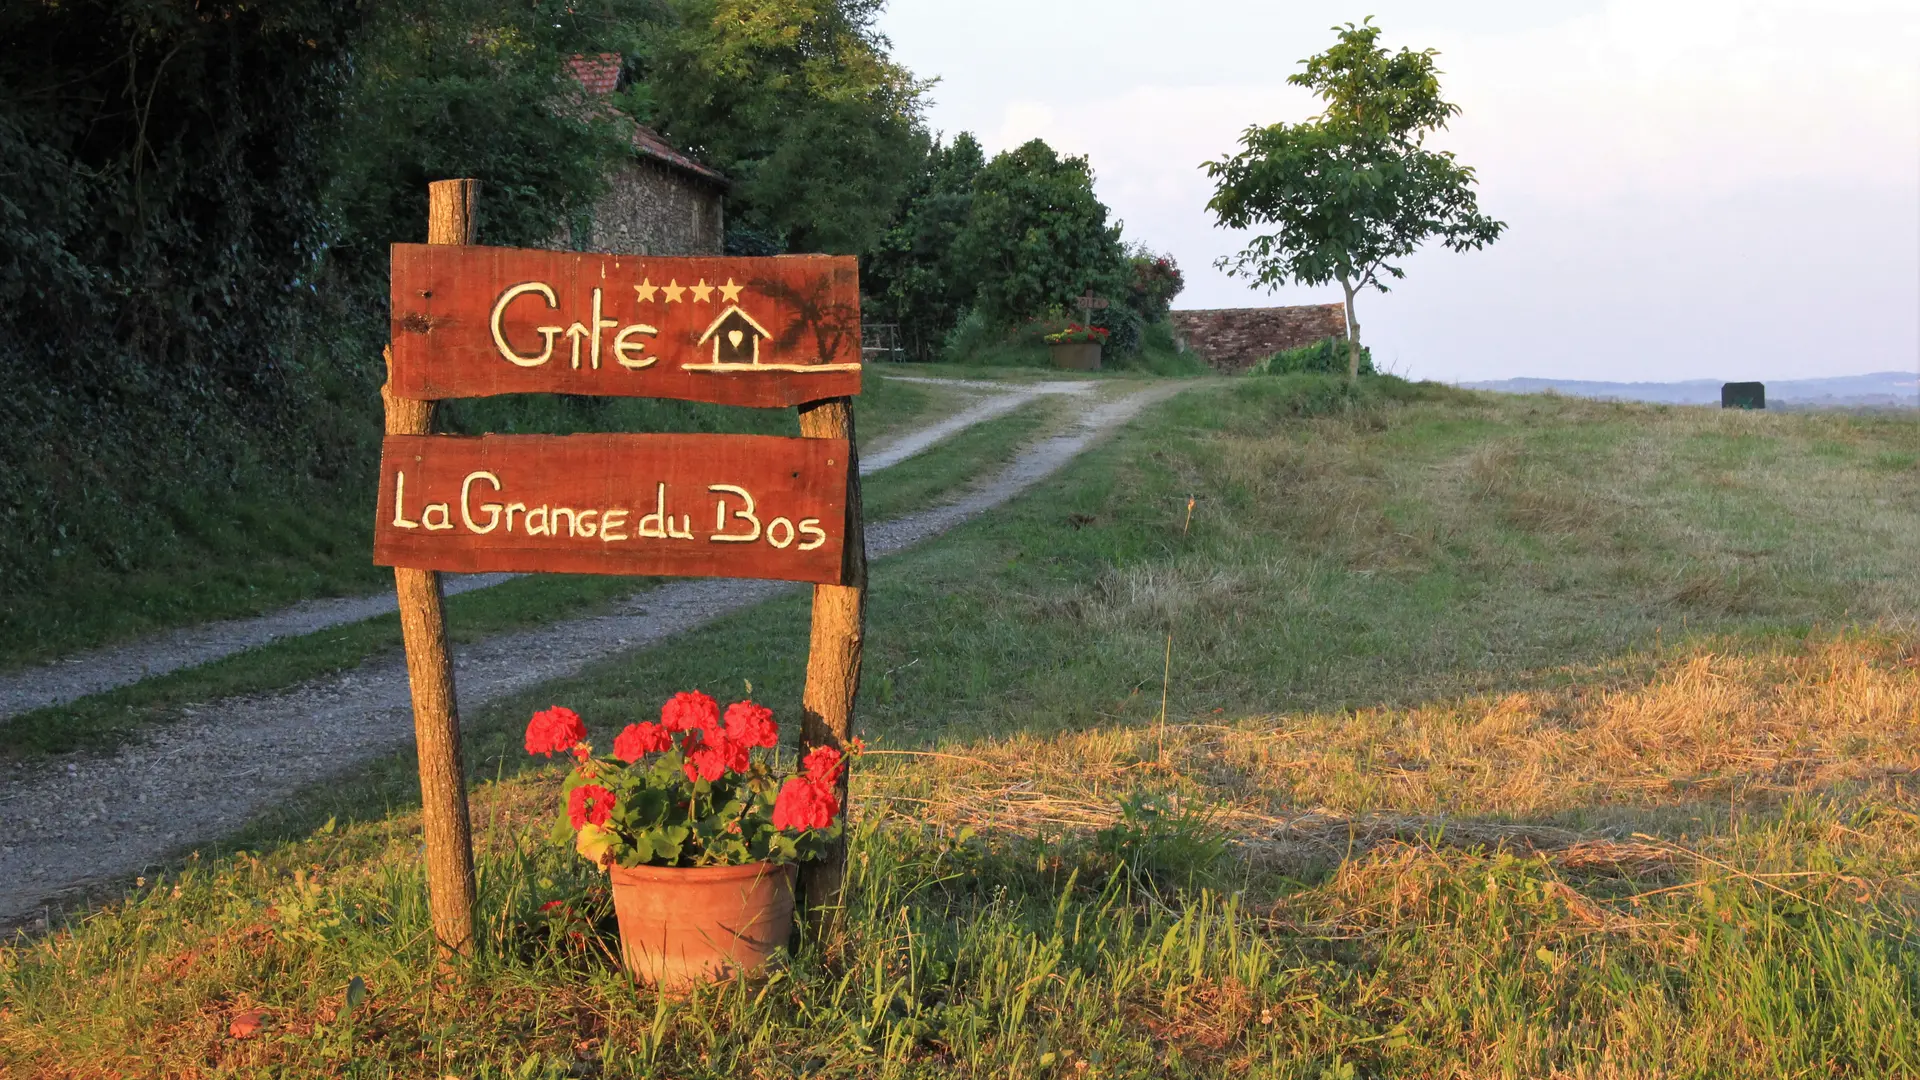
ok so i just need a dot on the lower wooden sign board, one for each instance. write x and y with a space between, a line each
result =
742 506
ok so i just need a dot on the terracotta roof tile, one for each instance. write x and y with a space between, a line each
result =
599 75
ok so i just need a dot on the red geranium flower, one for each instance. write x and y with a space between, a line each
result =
709 756
690 711
639 740
590 804
752 725
554 730
822 765
804 804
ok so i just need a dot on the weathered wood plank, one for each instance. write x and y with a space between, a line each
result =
765 332
746 506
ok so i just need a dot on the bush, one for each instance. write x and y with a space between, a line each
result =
1160 354
976 340
1153 280
1124 327
1328 356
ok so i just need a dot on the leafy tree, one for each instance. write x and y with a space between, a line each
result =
1037 236
799 102
1352 189
472 88
912 278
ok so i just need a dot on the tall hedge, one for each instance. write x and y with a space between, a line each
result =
163 206
196 197
160 220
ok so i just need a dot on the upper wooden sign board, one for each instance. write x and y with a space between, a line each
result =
473 321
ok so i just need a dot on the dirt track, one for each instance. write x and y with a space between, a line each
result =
76 824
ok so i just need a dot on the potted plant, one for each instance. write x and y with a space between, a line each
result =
697 832
1077 347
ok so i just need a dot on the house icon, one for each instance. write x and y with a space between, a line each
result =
736 339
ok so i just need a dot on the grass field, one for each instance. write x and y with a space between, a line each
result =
1509 737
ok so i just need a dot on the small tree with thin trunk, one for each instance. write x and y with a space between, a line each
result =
1352 188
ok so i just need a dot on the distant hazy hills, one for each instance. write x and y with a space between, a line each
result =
1882 389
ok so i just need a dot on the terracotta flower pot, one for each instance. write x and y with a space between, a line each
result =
684 925
1077 356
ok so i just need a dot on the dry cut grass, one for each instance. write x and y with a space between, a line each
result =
1681 740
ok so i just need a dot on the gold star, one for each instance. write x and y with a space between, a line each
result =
673 290
703 292
645 289
730 292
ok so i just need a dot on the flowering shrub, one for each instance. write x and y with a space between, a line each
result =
1075 334
690 789
1153 282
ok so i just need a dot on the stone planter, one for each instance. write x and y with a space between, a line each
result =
1077 356
685 925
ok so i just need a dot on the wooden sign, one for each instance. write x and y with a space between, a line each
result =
474 321
743 506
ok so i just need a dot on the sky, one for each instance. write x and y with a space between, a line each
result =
1692 188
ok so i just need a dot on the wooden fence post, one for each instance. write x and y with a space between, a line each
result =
833 660
444 821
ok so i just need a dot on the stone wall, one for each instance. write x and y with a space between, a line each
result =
1231 339
652 209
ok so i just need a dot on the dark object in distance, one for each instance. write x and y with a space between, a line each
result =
1743 395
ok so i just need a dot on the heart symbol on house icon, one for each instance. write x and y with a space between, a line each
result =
735 338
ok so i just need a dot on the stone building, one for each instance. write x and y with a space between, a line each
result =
1232 339
659 202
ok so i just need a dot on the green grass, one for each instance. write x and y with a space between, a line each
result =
254 541
1504 737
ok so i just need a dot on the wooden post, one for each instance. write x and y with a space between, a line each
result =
444 822
833 660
